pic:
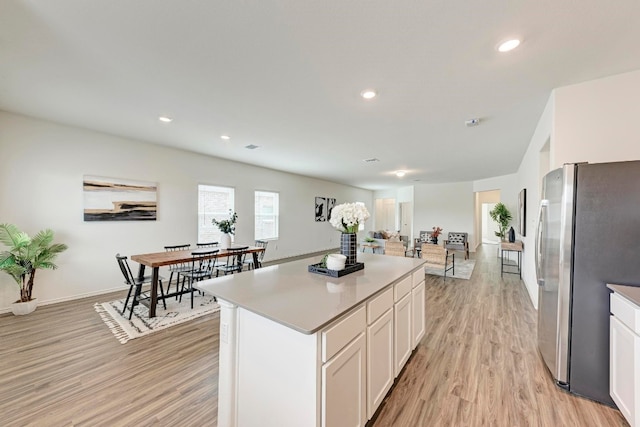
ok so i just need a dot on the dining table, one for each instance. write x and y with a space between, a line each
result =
156 260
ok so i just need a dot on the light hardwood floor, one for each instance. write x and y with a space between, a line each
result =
476 366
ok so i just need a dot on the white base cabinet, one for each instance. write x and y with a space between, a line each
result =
344 380
402 331
273 375
380 372
418 303
624 358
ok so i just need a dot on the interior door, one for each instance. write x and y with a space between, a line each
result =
406 219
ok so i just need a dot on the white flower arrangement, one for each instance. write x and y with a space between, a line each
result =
348 216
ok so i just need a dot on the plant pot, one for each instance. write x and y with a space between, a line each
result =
225 241
22 308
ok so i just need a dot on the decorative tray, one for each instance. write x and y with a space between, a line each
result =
317 268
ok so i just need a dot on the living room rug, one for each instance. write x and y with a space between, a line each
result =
464 268
140 324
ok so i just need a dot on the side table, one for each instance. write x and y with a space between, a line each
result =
517 247
371 246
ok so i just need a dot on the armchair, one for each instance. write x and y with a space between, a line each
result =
458 241
394 248
439 258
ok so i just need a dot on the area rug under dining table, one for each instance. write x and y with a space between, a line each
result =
140 324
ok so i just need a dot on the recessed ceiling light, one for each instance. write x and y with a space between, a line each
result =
508 45
400 174
225 137
368 94
165 119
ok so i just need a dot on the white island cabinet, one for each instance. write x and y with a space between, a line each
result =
303 349
624 351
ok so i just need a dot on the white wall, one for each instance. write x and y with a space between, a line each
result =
591 122
41 187
449 206
528 177
597 121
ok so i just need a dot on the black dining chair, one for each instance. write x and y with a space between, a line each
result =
207 245
234 262
135 285
249 260
177 268
201 268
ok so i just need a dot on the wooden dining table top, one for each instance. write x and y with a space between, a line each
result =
159 259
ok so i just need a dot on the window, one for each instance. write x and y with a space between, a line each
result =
213 202
267 210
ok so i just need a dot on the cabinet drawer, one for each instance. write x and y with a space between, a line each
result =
627 312
402 288
379 305
418 276
338 335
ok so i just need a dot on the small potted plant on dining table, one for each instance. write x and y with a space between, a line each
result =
227 227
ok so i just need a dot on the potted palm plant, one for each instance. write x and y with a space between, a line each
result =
502 216
24 256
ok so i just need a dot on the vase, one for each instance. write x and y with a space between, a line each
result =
225 241
349 247
22 308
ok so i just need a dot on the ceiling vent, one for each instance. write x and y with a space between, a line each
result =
251 147
371 160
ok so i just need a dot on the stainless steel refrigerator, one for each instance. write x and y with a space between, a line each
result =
588 235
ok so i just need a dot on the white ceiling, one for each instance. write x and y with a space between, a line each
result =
286 76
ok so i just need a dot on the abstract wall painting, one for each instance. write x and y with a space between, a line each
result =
522 212
323 208
113 199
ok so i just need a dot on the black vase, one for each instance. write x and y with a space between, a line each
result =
512 235
349 247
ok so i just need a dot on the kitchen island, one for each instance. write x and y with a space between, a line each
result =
304 349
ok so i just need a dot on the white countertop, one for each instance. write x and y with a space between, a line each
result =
632 293
289 294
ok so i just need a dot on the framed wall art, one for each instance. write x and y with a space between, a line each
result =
522 212
323 208
114 199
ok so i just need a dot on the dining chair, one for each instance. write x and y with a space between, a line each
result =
177 268
234 262
201 268
249 260
207 245
135 285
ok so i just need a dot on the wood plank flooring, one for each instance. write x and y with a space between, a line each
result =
476 366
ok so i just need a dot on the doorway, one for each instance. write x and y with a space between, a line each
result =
385 214
484 226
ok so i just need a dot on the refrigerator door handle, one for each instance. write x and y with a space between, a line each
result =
538 252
